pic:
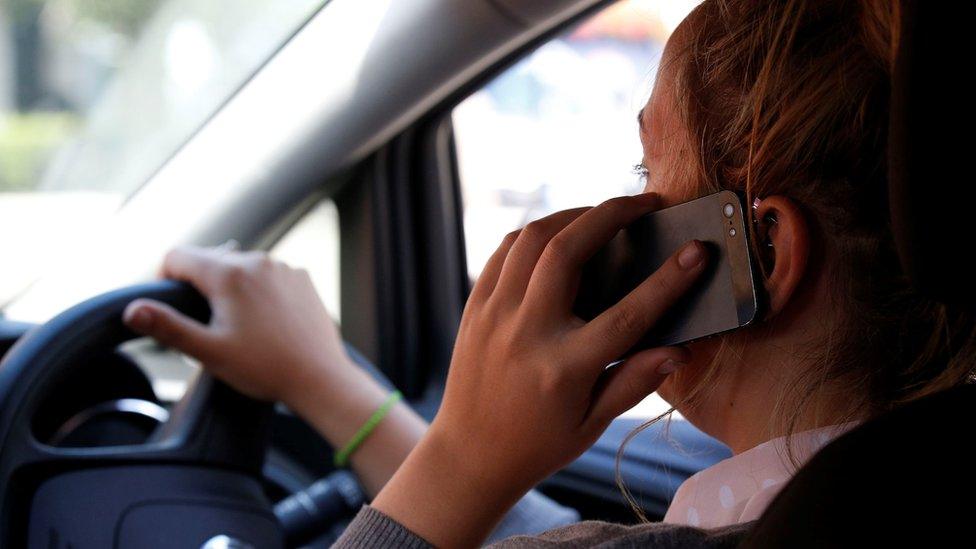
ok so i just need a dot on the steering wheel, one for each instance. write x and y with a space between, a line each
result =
194 483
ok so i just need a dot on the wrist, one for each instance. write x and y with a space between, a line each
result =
447 495
342 455
467 457
336 400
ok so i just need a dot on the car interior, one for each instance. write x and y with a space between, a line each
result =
352 115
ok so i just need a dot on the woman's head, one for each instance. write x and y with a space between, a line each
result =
787 102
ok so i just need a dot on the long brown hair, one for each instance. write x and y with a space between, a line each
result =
791 97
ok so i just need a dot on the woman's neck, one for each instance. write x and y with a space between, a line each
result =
762 387
754 403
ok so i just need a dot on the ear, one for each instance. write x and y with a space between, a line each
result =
784 244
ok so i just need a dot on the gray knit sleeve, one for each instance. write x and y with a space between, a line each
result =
372 528
533 514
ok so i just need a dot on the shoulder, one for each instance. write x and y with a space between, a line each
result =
759 501
608 535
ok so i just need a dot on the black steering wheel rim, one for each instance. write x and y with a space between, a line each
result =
212 425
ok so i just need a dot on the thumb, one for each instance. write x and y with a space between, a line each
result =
627 383
169 327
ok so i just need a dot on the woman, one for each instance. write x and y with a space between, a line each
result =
786 101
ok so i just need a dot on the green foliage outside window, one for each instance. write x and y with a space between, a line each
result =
26 142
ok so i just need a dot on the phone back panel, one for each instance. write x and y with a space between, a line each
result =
724 298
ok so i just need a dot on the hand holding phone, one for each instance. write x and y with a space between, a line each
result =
528 389
724 298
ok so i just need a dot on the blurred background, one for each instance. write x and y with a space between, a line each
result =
97 95
558 130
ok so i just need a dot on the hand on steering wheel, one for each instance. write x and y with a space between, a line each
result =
269 337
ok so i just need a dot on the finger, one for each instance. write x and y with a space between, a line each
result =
629 382
169 327
554 281
532 240
489 275
198 266
616 330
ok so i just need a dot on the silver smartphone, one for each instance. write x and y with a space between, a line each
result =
726 297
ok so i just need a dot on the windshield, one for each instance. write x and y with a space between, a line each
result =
95 96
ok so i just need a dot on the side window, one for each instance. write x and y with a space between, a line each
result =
558 130
313 244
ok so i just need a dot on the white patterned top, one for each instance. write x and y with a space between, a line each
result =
739 488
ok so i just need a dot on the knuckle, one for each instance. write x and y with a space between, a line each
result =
511 237
470 312
617 205
627 323
303 278
505 246
259 265
480 293
268 265
172 256
233 276
522 321
262 261
554 381
495 315
557 251
534 233
663 283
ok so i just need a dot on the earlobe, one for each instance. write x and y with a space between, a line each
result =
784 249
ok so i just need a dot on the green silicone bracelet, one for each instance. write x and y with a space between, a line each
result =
341 457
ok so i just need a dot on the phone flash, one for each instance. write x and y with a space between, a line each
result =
729 211
731 232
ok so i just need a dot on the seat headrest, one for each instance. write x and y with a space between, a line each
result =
900 480
932 195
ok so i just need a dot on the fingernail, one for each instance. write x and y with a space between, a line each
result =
691 255
138 318
669 366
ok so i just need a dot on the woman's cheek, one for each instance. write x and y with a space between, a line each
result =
673 191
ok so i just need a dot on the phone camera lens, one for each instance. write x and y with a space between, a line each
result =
729 210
